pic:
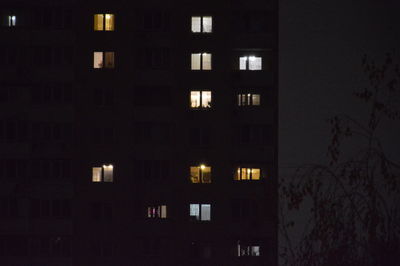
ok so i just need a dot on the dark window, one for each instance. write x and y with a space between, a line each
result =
245 210
155 21
50 208
151 96
254 134
51 131
103 135
50 169
101 211
252 22
156 133
11 169
51 246
9 208
103 97
155 58
13 130
58 93
199 137
151 170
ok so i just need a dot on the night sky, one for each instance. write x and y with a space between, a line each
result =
321 48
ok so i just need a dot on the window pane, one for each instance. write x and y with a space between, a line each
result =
206 99
255 251
98 21
242 63
109 22
245 173
12 20
163 211
97 59
109 57
96 174
255 63
195 99
194 174
256 99
206 174
237 175
244 99
195 61
195 211
205 212
108 173
255 173
196 26
207 24
206 61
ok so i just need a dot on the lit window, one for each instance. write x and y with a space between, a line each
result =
200 212
248 99
200 174
12 21
200 99
103 59
247 250
202 24
250 63
104 22
103 174
201 61
243 173
159 211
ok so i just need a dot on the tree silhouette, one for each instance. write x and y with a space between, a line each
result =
354 201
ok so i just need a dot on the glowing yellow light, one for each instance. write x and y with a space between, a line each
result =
108 16
202 166
108 166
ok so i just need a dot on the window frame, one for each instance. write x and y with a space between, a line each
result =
246 249
157 211
104 22
202 30
201 61
201 174
102 175
247 99
248 66
104 61
248 170
200 217
201 105
11 20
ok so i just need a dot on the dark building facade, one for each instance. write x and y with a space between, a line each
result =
138 133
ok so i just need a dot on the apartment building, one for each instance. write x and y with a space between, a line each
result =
138 133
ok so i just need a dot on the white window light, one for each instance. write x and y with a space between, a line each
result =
12 20
201 61
202 24
201 212
250 63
